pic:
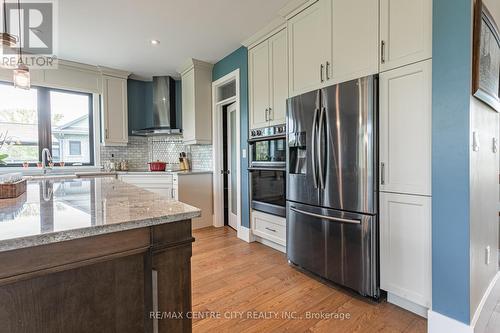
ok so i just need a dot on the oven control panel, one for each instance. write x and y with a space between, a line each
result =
268 131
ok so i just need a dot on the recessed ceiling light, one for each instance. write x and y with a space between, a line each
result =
155 42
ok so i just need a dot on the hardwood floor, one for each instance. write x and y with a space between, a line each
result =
235 283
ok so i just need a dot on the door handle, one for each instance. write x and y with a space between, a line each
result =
329 218
327 70
382 173
321 69
321 167
382 52
313 148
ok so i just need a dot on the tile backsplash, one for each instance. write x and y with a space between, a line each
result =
141 150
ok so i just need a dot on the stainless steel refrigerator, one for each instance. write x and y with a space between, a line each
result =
332 193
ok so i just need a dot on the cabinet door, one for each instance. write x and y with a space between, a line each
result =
309 47
405 246
405 32
188 105
259 85
405 129
354 49
278 55
115 121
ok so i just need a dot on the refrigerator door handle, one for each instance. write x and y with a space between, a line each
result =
321 160
313 147
329 218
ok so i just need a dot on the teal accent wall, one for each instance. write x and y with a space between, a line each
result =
451 85
239 60
140 104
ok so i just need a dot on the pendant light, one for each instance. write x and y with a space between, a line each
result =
22 77
6 39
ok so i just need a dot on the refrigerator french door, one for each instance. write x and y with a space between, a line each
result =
332 194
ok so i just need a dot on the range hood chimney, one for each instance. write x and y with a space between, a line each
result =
164 117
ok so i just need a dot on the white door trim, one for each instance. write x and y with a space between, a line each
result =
217 139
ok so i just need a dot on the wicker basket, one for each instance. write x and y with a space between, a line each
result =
13 190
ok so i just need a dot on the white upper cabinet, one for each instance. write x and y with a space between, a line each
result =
268 81
405 247
405 129
114 111
405 32
278 52
355 26
259 85
309 47
197 102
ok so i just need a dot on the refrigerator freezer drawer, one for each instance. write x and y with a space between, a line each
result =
338 246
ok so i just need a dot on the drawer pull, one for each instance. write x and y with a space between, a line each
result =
273 230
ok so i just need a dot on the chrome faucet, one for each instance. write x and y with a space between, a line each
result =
46 158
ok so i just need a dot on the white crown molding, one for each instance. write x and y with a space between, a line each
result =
114 72
194 63
294 7
276 25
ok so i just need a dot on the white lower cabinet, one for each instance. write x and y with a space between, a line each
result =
405 250
159 184
270 229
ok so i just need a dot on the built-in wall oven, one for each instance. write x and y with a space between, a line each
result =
268 169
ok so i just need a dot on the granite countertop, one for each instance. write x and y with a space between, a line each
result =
56 210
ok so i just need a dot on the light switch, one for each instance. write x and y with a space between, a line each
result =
475 142
244 153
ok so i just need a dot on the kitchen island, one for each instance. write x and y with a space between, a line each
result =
94 255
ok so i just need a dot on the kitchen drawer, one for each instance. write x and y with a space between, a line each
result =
147 180
270 227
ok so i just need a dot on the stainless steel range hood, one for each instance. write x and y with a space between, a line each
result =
164 117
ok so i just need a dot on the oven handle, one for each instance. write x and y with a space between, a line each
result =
265 169
266 138
330 218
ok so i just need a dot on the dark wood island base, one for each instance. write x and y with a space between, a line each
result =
128 281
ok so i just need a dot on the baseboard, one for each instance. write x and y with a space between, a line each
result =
407 305
244 234
438 323
273 245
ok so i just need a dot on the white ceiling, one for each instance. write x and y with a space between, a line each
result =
117 33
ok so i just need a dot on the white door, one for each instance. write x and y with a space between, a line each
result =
278 55
232 183
405 246
405 129
309 47
405 32
259 85
354 49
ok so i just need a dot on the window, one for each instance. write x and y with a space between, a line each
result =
31 120
75 148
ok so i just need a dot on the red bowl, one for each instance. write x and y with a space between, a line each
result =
157 166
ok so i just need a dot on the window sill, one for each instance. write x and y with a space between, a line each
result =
33 171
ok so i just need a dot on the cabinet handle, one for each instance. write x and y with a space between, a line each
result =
106 133
267 114
272 230
270 114
327 70
321 68
382 52
382 173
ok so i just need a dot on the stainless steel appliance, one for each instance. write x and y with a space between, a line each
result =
267 169
162 117
332 194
